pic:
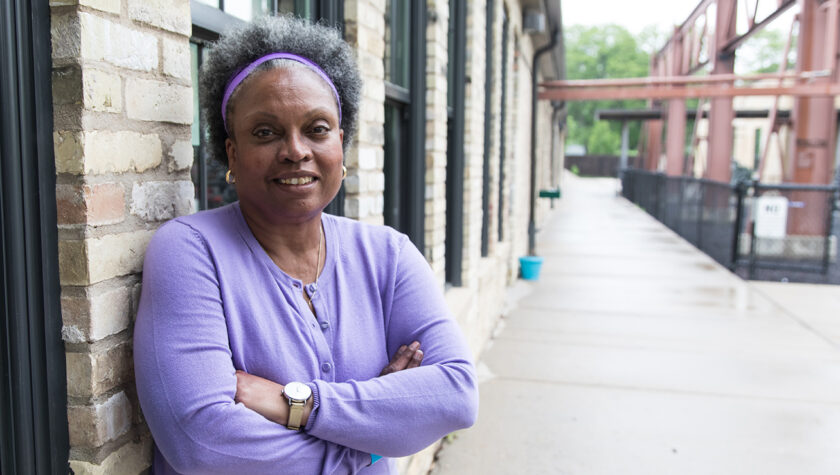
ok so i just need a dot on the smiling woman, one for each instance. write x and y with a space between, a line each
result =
272 337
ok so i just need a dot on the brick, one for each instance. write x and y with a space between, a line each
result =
118 152
94 260
93 426
65 31
110 6
176 58
94 205
66 83
182 155
105 203
133 457
171 15
95 315
158 101
69 152
72 263
93 374
161 200
70 204
105 40
102 92
117 254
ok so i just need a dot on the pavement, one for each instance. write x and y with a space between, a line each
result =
635 353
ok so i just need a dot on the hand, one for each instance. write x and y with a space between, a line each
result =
266 398
406 357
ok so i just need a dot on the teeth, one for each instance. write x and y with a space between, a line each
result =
296 181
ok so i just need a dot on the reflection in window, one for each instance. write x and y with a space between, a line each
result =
248 10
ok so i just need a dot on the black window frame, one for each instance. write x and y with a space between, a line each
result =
489 16
33 392
503 121
208 23
405 167
456 72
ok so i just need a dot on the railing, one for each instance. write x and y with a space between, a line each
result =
747 227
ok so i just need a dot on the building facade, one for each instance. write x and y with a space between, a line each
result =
442 154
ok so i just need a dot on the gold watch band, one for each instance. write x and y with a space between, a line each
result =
295 415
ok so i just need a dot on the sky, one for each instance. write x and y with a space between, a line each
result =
631 14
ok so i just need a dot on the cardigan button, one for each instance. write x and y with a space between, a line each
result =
326 367
325 325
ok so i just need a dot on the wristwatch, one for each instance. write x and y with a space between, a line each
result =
297 394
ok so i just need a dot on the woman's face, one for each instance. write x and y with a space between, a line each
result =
285 149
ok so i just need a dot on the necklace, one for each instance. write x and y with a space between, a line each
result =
314 286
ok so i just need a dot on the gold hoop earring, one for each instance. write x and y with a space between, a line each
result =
228 179
343 172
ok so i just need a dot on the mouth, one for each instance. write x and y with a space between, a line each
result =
296 181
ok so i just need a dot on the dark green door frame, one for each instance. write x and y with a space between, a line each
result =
33 388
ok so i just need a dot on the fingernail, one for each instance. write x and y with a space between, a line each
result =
403 348
415 345
418 354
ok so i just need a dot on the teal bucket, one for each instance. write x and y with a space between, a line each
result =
530 267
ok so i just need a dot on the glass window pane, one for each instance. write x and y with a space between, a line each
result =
248 9
212 3
194 77
397 49
286 6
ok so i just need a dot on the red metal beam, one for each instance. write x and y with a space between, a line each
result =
649 81
687 92
734 43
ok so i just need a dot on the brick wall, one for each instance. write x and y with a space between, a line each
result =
364 22
437 87
123 107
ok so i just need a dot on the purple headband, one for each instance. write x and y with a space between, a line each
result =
247 70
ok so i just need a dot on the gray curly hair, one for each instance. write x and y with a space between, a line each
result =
239 47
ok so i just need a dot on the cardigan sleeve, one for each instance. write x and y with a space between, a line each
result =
403 412
186 379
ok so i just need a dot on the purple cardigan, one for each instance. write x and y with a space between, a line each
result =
213 302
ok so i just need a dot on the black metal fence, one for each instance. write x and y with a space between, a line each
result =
757 230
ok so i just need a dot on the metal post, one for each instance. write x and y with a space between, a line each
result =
532 225
675 141
719 156
740 190
829 225
625 147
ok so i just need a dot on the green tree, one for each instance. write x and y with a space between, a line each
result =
602 140
762 52
599 52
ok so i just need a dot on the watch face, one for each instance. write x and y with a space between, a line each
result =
297 391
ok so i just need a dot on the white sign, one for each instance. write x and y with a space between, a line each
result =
771 217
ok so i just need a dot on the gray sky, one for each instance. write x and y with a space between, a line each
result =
632 14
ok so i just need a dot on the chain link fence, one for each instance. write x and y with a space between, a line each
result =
765 232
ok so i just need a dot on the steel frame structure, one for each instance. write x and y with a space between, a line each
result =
707 41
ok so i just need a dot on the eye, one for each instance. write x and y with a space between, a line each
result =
320 129
262 132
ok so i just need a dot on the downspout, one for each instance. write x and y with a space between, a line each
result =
532 226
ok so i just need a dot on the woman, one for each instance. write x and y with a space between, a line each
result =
264 326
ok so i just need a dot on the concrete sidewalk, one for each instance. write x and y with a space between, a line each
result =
637 354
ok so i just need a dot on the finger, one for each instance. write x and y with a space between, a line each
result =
405 358
401 359
416 359
397 362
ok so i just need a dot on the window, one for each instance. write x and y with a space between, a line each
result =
210 18
503 122
405 128
33 388
455 142
488 128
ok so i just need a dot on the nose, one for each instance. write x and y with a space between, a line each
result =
295 148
